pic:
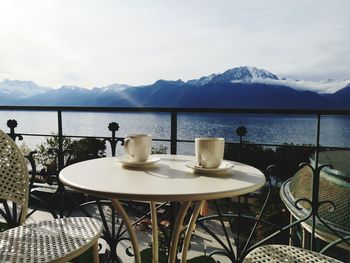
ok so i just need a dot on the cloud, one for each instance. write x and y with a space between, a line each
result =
329 86
92 43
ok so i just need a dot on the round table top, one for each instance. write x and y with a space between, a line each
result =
167 180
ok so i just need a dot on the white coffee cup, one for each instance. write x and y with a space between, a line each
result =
209 152
138 146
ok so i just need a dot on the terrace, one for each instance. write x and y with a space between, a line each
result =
314 213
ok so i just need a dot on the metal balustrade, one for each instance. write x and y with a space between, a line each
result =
113 235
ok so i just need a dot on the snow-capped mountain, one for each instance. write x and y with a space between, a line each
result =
72 88
240 87
261 73
21 89
235 75
112 88
201 81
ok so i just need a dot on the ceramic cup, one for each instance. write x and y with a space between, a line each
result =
138 147
209 152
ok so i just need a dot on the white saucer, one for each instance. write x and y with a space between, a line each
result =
125 161
225 166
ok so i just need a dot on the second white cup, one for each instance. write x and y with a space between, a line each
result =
138 146
209 152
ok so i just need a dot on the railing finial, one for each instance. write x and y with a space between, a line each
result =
12 124
113 127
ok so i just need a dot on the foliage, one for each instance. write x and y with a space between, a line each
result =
25 149
47 153
253 154
287 157
162 239
86 257
74 151
201 259
164 243
146 256
274 213
3 226
159 150
85 149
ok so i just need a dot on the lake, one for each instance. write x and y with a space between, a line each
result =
262 129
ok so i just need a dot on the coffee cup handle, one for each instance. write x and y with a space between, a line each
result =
201 159
126 146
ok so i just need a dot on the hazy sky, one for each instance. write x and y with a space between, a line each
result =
98 42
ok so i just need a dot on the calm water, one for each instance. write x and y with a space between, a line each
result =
272 129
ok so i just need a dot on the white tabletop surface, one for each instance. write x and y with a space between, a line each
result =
167 180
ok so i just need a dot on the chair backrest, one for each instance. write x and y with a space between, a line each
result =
14 177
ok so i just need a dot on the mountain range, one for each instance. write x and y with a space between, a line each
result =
240 87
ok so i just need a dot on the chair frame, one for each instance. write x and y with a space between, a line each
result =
17 190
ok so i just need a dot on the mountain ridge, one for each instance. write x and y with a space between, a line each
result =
240 87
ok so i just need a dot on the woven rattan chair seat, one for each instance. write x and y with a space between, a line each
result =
49 241
283 253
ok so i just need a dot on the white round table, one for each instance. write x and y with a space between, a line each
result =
167 180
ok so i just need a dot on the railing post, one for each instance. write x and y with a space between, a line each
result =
60 141
315 185
60 160
173 150
173 136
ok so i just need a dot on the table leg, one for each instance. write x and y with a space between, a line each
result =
95 252
155 246
190 227
291 230
177 230
118 206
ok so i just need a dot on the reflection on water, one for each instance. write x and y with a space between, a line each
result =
273 129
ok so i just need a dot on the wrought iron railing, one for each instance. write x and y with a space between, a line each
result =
113 235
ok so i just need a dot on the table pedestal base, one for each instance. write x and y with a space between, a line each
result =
175 235
135 246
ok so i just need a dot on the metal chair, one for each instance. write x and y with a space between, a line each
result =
285 253
57 240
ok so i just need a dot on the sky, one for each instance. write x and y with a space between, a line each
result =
94 43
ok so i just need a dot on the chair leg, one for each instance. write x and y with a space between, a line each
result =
95 252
